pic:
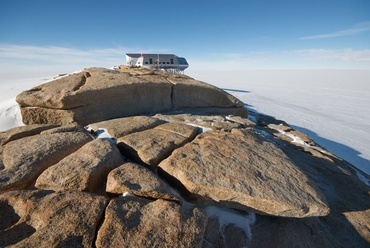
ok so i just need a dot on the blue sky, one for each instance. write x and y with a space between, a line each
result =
249 34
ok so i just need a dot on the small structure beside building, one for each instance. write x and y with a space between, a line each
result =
168 62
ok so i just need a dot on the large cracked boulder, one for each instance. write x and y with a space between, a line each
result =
153 145
237 169
24 159
246 173
39 218
135 179
137 222
98 94
84 170
123 126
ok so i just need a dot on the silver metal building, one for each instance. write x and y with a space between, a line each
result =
168 62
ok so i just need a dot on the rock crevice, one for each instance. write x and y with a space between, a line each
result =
83 81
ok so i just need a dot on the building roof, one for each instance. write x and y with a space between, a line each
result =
148 54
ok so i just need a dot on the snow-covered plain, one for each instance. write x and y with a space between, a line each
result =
331 106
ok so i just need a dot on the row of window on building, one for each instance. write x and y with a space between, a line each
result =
157 62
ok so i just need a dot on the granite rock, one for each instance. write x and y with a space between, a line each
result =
84 170
194 174
26 158
39 218
98 94
136 179
244 172
139 222
151 146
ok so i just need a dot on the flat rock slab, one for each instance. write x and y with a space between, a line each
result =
153 145
18 133
80 89
187 131
84 170
26 158
123 126
98 94
139 222
41 218
23 131
209 122
190 93
244 172
138 180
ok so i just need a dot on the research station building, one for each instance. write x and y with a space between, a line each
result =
168 62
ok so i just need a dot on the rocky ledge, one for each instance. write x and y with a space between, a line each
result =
173 162
97 94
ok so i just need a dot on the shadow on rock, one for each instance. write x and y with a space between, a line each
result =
235 90
347 197
342 150
10 231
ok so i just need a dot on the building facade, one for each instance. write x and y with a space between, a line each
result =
168 62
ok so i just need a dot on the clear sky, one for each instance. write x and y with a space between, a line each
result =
245 34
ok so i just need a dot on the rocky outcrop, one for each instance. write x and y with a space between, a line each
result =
135 179
24 131
346 195
123 126
24 159
84 170
247 173
170 179
135 222
98 94
39 218
152 146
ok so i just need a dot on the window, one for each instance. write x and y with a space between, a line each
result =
172 61
150 61
146 62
